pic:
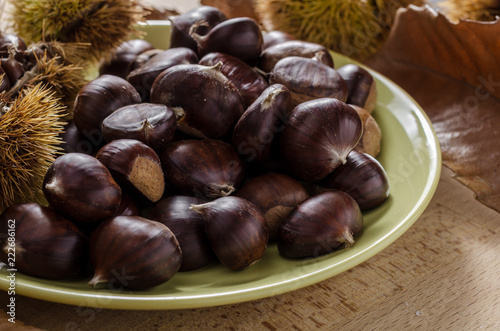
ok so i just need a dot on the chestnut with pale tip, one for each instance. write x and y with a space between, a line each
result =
210 109
81 188
271 55
135 166
318 137
320 225
308 79
188 227
372 135
133 252
46 244
236 229
363 177
205 168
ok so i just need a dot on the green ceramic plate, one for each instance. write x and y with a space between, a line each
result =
411 156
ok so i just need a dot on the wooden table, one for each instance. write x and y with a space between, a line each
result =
442 274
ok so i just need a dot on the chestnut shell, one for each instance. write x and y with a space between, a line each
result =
320 225
46 244
133 252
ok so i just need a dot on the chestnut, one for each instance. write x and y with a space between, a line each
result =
9 43
205 168
181 25
363 177
128 206
319 225
4 81
73 141
372 135
152 124
188 227
240 37
81 188
276 195
362 88
133 252
119 60
318 137
144 57
135 166
236 229
308 79
275 37
206 103
271 55
143 77
98 99
41 243
255 131
249 83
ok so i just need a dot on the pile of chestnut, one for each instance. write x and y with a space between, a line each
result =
205 152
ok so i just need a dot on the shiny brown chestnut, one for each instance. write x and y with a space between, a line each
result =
133 252
318 137
254 133
372 135
128 206
181 25
81 188
249 83
143 77
240 37
320 225
271 55
276 195
39 242
362 88
152 124
144 57
308 79
135 166
119 60
275 37
363 178
205 168
4 81
236 229
212 106
9 43
98 99
13 69
188 227
73 141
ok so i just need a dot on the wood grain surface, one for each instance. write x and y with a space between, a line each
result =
442 274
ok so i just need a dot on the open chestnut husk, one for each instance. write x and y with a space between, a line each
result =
181 25
99 98
372 135
362 88
205 102
363 177
308 79
81 188
39 242
133 252
318 137
188 227
240 37
135 166
236 229
249 83
254 133
205 168
276 195
271 55
143 77
152 124
320 225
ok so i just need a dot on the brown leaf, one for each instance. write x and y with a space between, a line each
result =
453 72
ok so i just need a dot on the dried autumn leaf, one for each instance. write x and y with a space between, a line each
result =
453 72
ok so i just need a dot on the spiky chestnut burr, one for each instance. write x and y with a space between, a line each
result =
104 24
30 125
